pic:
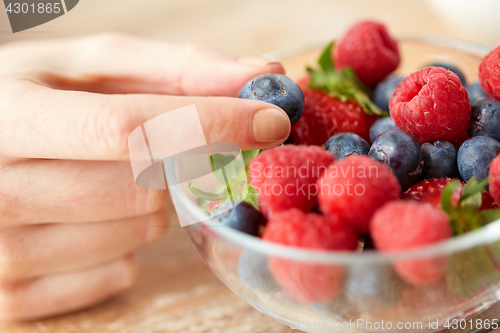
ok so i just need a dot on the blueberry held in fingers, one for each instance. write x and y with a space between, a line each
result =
276 89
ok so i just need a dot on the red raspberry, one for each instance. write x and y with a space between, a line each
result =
369 50
432 104
489 73
430 190
325 116
285 177
494 177
304 281
354 188
403 225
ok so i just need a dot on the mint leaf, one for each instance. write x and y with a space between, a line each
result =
206 195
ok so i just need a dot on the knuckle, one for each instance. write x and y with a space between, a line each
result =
110 127
149 201
11 300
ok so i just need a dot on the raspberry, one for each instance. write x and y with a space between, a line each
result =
354 188
325 116
432 104
369 50
403 225
489 73
285 177
494 177
304 281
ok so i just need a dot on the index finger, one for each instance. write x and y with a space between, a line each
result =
78 125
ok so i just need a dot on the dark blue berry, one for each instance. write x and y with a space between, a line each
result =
475 91
452 68
380 126
401 152
475 155
254 273
276 89
344 144
440 159
485 120
384 91
243 217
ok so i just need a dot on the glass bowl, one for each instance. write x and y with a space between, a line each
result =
368 296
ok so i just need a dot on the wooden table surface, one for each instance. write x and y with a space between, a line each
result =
177 292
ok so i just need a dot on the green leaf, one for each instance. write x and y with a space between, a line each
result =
248 155
252 197
446 195
206 195
325 60
473 187
488 215
469 272
343 84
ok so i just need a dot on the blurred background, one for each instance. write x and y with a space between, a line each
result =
260 26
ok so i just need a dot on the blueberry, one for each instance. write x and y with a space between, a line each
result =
384 90
276 89
254 273
485 120
475 91
401 152
344 144
475 155
440 159
452 68
372 287
243 217
380 126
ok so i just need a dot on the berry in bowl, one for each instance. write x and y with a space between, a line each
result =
380 211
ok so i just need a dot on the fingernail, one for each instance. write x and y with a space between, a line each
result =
270 125
258 61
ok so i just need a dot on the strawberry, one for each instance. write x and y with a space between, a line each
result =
335 102
430 191
369 50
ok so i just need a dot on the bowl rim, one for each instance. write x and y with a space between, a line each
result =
483 236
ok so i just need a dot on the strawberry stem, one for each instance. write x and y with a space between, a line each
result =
343 85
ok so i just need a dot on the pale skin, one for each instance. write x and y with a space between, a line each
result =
71 215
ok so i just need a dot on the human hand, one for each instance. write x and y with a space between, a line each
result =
71 216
